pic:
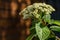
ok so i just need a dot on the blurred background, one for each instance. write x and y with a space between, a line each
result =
12 26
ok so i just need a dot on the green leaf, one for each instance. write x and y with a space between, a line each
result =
47 18
32 35
55 28
51 21
32 28
51 36
43 32
56 22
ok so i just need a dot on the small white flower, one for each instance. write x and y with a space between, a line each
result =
36 9
44 4
35 5
37 15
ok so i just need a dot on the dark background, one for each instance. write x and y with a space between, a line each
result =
56 5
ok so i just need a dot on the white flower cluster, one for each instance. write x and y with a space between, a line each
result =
44 7
33 10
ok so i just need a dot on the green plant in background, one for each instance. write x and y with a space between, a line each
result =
42 25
